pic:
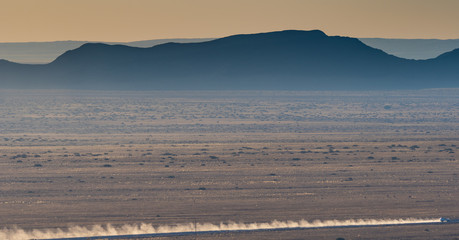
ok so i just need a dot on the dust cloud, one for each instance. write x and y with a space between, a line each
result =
144 228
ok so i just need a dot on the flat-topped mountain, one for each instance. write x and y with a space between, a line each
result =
285 60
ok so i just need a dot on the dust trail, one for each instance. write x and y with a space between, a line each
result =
143 228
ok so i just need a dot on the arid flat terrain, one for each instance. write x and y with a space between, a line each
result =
93 157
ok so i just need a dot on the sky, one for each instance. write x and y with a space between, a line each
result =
134 20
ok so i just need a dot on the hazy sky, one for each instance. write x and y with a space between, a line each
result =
130 20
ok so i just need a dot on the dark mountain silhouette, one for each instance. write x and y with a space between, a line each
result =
288 60
46 52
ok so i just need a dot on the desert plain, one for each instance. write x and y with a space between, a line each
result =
173 157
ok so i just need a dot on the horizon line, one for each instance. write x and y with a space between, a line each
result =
223 36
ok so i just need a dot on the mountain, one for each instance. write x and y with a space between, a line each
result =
413 48
285 60
45 52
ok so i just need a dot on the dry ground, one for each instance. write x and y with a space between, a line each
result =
82 158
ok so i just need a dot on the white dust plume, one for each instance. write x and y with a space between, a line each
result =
144 228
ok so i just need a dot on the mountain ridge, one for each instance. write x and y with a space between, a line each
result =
290 59
46 52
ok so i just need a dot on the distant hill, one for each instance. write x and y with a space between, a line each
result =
46 52
287 60
413 48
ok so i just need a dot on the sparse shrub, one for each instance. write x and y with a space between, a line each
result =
414 147
21 156
169 154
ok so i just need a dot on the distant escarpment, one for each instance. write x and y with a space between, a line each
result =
285 60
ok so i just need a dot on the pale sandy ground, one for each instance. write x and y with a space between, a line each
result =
83 158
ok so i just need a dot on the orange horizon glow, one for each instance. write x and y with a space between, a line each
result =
134 20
